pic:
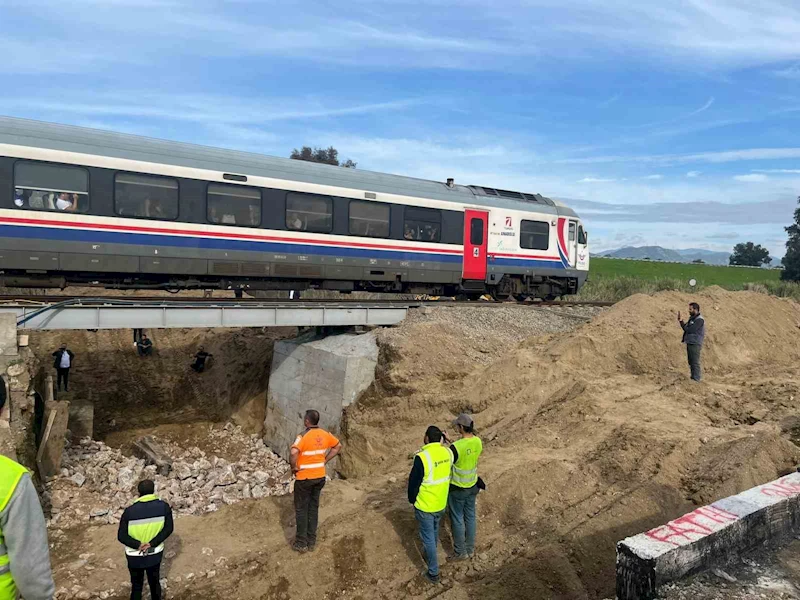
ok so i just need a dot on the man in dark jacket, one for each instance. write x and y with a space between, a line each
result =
694 332
144 527
200 358
63 363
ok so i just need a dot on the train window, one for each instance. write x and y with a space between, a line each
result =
307 212
476 232
582 237
534 235
422 224
145 196
45 186
369 219
572 231
234 205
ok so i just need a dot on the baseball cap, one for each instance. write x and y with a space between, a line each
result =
464 420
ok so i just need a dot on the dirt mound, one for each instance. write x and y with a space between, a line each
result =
596 433
592 432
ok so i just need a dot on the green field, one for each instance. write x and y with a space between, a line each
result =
729 277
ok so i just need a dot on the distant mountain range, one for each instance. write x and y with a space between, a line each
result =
687 255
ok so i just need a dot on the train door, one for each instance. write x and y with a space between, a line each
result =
476 225
583 248
572 242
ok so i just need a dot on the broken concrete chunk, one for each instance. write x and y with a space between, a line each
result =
153 454
78 479
227 476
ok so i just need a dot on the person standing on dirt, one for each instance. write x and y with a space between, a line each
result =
464 487
694 332
24 554
63 363
143 529
311 451
428 486
200 358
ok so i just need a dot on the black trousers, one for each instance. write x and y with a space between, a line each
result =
306 510
63 375
693 353
137 582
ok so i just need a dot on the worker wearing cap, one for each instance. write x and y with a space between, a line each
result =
464 487
428 485
24 554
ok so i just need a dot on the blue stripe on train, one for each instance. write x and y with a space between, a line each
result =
525 263
113 237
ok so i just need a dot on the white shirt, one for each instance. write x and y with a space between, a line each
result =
62 204
65 360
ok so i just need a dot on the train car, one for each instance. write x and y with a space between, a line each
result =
87 207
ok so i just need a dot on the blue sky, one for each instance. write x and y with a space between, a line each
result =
661 123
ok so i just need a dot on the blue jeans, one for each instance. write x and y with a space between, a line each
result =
429 534
461 504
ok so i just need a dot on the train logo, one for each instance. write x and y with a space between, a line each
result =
508 222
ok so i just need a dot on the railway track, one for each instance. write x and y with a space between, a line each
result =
196 300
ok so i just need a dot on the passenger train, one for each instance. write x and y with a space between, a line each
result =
80 206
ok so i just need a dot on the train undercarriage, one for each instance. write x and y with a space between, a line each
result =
518 287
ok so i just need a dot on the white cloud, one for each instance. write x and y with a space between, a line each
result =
778 171
751 178
197 108
792 72
693 174
653 177
701 157
595 180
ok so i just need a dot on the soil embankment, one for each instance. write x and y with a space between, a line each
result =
592 432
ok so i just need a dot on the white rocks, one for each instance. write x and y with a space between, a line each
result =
126 478
97 482
182 470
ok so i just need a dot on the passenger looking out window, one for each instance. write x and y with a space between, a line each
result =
422 224
309 212
147 196
47 186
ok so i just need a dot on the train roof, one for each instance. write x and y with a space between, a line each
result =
24 132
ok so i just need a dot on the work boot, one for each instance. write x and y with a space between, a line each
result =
458 557
301 548
311 546
430 578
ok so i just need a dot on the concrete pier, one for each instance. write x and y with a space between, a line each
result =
323 374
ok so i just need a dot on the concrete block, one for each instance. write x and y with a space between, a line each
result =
81 419
324 374
48 459
153 454
705 536
8 334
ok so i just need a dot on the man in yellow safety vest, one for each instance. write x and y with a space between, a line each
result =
428 485
143 529
24 555
464 487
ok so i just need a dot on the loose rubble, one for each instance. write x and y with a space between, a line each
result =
97 482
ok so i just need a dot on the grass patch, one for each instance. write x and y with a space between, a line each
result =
704 274
611 279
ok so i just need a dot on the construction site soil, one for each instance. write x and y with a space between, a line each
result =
592 432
